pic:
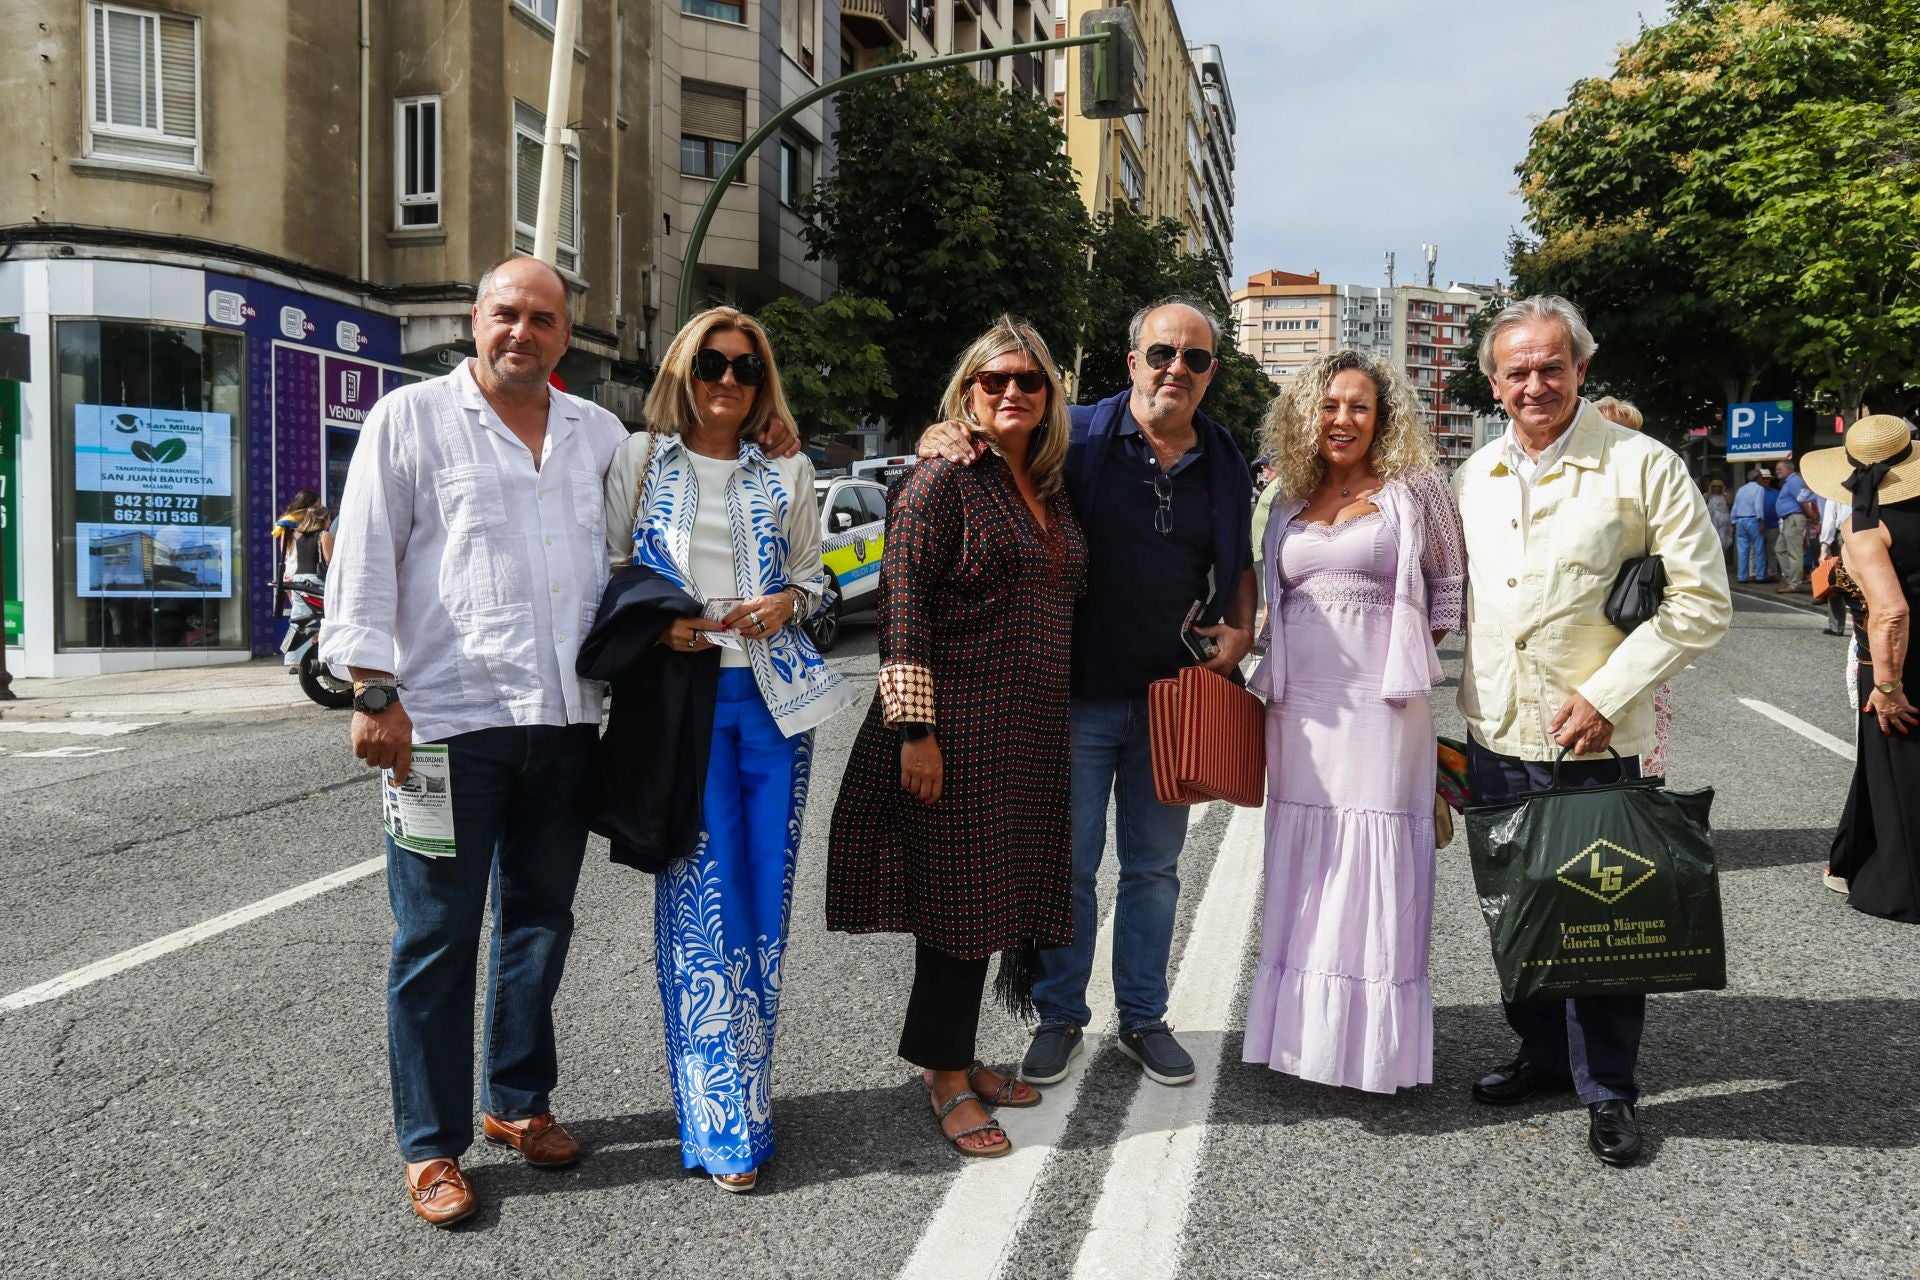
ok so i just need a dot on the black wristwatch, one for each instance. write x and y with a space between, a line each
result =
375 696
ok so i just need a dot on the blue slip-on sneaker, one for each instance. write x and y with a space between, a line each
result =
1151 1044
1054 1045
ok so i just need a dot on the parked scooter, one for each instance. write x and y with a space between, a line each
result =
301 648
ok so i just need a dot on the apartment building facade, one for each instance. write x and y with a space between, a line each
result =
1172 159
1285 319
238 226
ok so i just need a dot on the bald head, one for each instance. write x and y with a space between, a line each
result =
520 327
518 268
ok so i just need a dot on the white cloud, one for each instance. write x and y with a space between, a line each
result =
1369 125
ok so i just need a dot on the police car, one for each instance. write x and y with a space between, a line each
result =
853 535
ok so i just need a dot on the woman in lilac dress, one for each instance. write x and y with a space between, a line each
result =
1365 570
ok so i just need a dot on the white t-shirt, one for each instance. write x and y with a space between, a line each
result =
711 550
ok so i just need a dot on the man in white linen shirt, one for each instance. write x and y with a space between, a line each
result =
1551 511
468 563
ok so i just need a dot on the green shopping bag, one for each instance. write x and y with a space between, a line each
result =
1608 890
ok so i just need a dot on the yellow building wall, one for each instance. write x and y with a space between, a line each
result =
1157 141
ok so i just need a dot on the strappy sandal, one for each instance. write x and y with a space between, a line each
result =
737 1183
940 1114
1007 1094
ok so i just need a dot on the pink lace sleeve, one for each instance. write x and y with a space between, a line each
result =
1444 557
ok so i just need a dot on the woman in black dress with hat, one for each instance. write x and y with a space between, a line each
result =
953 819
1877 849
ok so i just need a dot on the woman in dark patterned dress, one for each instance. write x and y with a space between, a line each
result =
953 819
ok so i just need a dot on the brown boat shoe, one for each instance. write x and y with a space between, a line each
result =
441 1193
541 1139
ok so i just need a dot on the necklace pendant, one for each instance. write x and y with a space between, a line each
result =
1345 493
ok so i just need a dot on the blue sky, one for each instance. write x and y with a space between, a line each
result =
1415 112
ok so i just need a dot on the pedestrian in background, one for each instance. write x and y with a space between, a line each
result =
1875 850
1793 504
740 532
468 562
1364 573
1749 527
1653 764
1552 510
954 819
1164 495
282 534
1833 517
1720 511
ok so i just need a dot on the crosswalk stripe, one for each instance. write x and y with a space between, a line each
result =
971 1235
1139 1222
76 728
1812 734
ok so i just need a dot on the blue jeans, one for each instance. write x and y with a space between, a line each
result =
1112 758
1750 549
520 830
1595 1039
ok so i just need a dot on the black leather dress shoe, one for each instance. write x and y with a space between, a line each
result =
1516 1082
1614 1133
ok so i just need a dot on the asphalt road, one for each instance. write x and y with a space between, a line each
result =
222 1109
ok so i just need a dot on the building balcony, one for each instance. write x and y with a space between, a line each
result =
875 23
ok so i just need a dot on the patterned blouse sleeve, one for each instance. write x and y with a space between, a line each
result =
925 528
1444 558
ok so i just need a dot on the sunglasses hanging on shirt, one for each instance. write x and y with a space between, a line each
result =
710 364
1160 355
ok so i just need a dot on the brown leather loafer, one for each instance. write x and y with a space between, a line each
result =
541 1139
441 1193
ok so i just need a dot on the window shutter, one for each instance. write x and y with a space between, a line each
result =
99 67
713 112
526 175
568 249
179 110
127 92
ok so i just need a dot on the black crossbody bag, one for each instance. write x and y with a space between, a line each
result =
1636 592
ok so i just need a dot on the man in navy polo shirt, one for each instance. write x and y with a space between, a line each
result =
1166 501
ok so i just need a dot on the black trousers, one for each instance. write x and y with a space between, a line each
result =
943 1013
1594 1039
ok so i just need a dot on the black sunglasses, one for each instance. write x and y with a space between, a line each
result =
710 364
1160 355
1030 381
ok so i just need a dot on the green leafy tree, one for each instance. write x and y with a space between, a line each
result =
1135 262
1673 200
952 202
833 361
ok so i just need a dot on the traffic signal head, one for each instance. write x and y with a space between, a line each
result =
1106 69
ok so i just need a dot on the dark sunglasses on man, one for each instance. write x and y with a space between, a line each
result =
1160 355
1030 381
710 364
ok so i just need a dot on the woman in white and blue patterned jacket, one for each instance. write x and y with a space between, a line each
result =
740 532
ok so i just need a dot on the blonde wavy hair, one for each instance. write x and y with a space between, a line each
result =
671 408
1047 452
1291 433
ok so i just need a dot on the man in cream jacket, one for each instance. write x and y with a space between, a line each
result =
1552 509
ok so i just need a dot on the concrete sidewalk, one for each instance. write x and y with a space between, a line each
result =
250 688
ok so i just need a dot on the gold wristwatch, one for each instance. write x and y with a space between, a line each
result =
1888 687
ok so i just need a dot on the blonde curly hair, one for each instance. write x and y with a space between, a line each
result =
1291 433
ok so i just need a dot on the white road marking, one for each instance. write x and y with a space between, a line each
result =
1139 1222
76 728
66 753
99 969
1799 726
971 1235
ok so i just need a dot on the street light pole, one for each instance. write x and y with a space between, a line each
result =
1107 36
553 154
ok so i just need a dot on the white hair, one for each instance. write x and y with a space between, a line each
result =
1541 306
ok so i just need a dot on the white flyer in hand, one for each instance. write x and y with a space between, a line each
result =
419 812
716 610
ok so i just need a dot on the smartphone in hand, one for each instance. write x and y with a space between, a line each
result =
1203 648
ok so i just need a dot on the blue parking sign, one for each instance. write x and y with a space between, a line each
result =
1760 431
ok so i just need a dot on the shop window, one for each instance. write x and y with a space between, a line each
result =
529 139
416 156
144 86
149 535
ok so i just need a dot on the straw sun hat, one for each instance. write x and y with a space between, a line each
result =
1880 452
